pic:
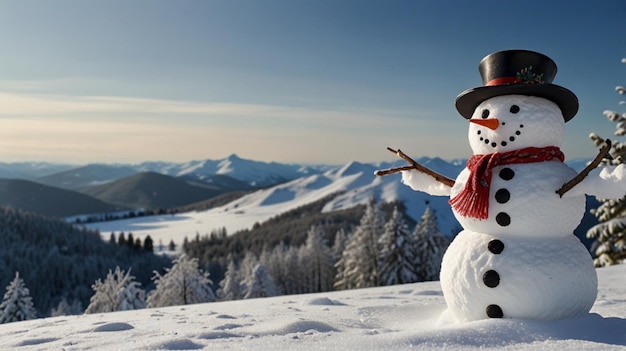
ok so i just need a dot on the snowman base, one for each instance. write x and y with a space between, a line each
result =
549 278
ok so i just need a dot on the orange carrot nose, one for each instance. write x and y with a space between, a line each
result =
491 123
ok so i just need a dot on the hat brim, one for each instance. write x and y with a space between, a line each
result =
468 100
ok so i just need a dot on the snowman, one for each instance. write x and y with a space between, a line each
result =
517 256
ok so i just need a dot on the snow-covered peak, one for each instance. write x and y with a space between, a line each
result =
354 168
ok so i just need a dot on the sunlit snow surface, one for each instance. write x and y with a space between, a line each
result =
388 318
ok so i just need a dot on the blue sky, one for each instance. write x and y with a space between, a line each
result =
281 80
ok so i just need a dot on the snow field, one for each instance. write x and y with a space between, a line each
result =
397 317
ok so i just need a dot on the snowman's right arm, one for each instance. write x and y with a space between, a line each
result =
420 181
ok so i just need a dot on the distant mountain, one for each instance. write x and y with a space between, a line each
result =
88 175
30 170
249 174
218 182
150 190
255 173
49 201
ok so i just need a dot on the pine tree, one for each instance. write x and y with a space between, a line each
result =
130 241
246 266
17 304
275 263
341 238
430 246
259 284
316 261
230 288
610 245
183 284
396 256
118 292
148 244
358 265
64 308
121 241
292 272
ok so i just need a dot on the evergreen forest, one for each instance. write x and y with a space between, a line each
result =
59 262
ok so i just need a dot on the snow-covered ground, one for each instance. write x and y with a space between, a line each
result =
388 318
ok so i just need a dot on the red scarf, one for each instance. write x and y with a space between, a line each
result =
473 201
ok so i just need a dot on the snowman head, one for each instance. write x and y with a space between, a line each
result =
510 122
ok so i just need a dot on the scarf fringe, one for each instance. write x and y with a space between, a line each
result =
471 205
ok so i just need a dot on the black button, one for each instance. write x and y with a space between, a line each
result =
495 246
503 219
503 196
494 311
491 278
507 173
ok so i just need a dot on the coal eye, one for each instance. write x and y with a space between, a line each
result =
485 113
514 109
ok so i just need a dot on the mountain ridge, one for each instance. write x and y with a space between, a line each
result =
49 201
151 191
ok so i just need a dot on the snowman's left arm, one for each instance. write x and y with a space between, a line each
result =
607 182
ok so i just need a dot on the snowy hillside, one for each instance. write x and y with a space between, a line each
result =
356 181
391 318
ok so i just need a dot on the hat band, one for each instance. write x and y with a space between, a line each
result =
504 81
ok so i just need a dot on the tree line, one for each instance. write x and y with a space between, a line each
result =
376 252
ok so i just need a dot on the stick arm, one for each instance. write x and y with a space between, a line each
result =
581 176
414 165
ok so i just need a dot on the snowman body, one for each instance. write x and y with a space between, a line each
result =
523 201
522 260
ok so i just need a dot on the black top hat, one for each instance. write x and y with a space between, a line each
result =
519 72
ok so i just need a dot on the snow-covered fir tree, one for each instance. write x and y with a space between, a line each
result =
430 246
230 287
396 257
274 262
341 238
118 292
64 308
358 265
17 304
259 284
246 266
182 284
610 245
316 262
292 271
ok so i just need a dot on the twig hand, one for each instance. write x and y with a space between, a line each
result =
414 165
